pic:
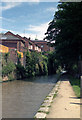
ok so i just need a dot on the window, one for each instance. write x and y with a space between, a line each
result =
42 46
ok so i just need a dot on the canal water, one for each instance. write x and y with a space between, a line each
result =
22 98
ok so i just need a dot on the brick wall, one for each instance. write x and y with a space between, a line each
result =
13 55
10 44
44 46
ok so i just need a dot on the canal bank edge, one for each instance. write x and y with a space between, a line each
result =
44 108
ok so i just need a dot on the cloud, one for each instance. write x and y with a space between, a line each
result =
38 30
51 9
6 19
32 36
9 5
2 30
20 1
32 31
6 30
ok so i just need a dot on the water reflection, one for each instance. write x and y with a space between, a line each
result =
22 98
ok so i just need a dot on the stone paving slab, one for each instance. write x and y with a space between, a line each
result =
46 104
44 109
40 115
42 112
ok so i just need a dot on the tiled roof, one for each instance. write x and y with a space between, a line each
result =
9 37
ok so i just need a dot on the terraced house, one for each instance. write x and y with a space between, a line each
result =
44 45
14 44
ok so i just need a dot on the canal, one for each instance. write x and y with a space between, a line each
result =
22 98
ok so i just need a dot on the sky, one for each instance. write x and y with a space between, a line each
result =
28 19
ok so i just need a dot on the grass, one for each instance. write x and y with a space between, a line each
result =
54 96
49 106
76 85
43 112
46 99
42 106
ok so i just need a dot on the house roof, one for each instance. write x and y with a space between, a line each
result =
39 41
20 37
31 42
10 36
27 39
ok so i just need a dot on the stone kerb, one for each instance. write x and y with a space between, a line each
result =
44 108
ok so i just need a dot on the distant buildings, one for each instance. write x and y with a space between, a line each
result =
14 44
44 45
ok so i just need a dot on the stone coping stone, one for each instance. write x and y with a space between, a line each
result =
44 109
40 115
51 94
49 98
47 101
46 104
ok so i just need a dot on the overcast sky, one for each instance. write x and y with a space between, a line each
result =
28 19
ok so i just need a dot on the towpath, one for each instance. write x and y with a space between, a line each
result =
66 104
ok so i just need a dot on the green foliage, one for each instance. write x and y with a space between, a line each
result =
7 69
29 65
65 29
40 65
45 69
52 63
36 64
76 85
11 76
20 71
59 70
19 57
45 58
36 70
6 56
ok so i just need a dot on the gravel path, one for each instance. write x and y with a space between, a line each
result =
66 104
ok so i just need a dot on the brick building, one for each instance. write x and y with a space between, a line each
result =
16 43
31 45
43 45
19 44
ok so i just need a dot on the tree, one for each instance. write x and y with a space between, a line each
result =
18 58
52 63
65 29
6 56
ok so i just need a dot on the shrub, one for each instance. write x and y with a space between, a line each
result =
51 63
45 69
30 65
20 71
11 76
58 71
6 56
40 65
37 70
8 68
